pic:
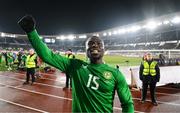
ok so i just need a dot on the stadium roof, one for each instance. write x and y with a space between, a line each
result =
149 24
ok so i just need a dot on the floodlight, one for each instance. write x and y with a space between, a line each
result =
3 34
104 34
96 35
109 33
62 37
144 26
47 40
71 37
82 36
121 31
134 28
176 20
13 36
58 37
151 25
115 32
166 22
53 40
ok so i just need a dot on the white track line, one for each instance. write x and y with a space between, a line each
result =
157 101
55 86
44 94
60 81
36 92
20 105
69 98
41 78
43 74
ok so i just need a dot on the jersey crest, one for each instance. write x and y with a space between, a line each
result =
107 75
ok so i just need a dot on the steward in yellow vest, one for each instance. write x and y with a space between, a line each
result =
31 63
149 74
149 69
70 56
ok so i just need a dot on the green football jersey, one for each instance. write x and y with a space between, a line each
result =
10 57
93 85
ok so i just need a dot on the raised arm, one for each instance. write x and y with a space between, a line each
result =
124 94
27 23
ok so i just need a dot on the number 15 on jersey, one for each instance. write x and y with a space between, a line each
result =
93 79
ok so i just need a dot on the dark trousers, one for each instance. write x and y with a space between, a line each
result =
152 90
19 62
6 61
68 79
30 71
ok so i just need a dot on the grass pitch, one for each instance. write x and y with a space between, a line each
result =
111 60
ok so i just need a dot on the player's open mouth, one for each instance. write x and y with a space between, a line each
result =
95 51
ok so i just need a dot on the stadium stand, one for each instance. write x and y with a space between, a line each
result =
158 33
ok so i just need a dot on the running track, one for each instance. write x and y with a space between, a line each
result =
47 95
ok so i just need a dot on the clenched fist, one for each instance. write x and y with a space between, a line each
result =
27 23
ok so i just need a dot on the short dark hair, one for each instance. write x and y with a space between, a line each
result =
95 37
70 49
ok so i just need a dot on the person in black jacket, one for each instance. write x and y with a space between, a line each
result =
19 59
5 56
149 75
69 55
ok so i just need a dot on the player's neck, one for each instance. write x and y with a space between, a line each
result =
99 61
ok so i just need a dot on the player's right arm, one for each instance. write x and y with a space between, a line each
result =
27 23
124 94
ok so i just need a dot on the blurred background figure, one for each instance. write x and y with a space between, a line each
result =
6 58
0 57
144 57
10 59
19 58
69 54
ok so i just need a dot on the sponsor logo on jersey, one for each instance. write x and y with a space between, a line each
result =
107 75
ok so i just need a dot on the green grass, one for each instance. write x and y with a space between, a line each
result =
3 67
112 60
117 59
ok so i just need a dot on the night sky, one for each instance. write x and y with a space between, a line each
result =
65 16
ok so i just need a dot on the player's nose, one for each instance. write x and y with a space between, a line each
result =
94 44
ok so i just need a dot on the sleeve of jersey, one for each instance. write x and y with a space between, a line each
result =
46 54
124 94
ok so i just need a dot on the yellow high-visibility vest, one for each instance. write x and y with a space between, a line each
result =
30 63
70 56
149 69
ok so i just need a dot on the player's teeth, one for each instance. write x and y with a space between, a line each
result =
95 51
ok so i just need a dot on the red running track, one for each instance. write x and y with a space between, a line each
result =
47 95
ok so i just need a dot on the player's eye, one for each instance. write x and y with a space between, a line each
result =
90 43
